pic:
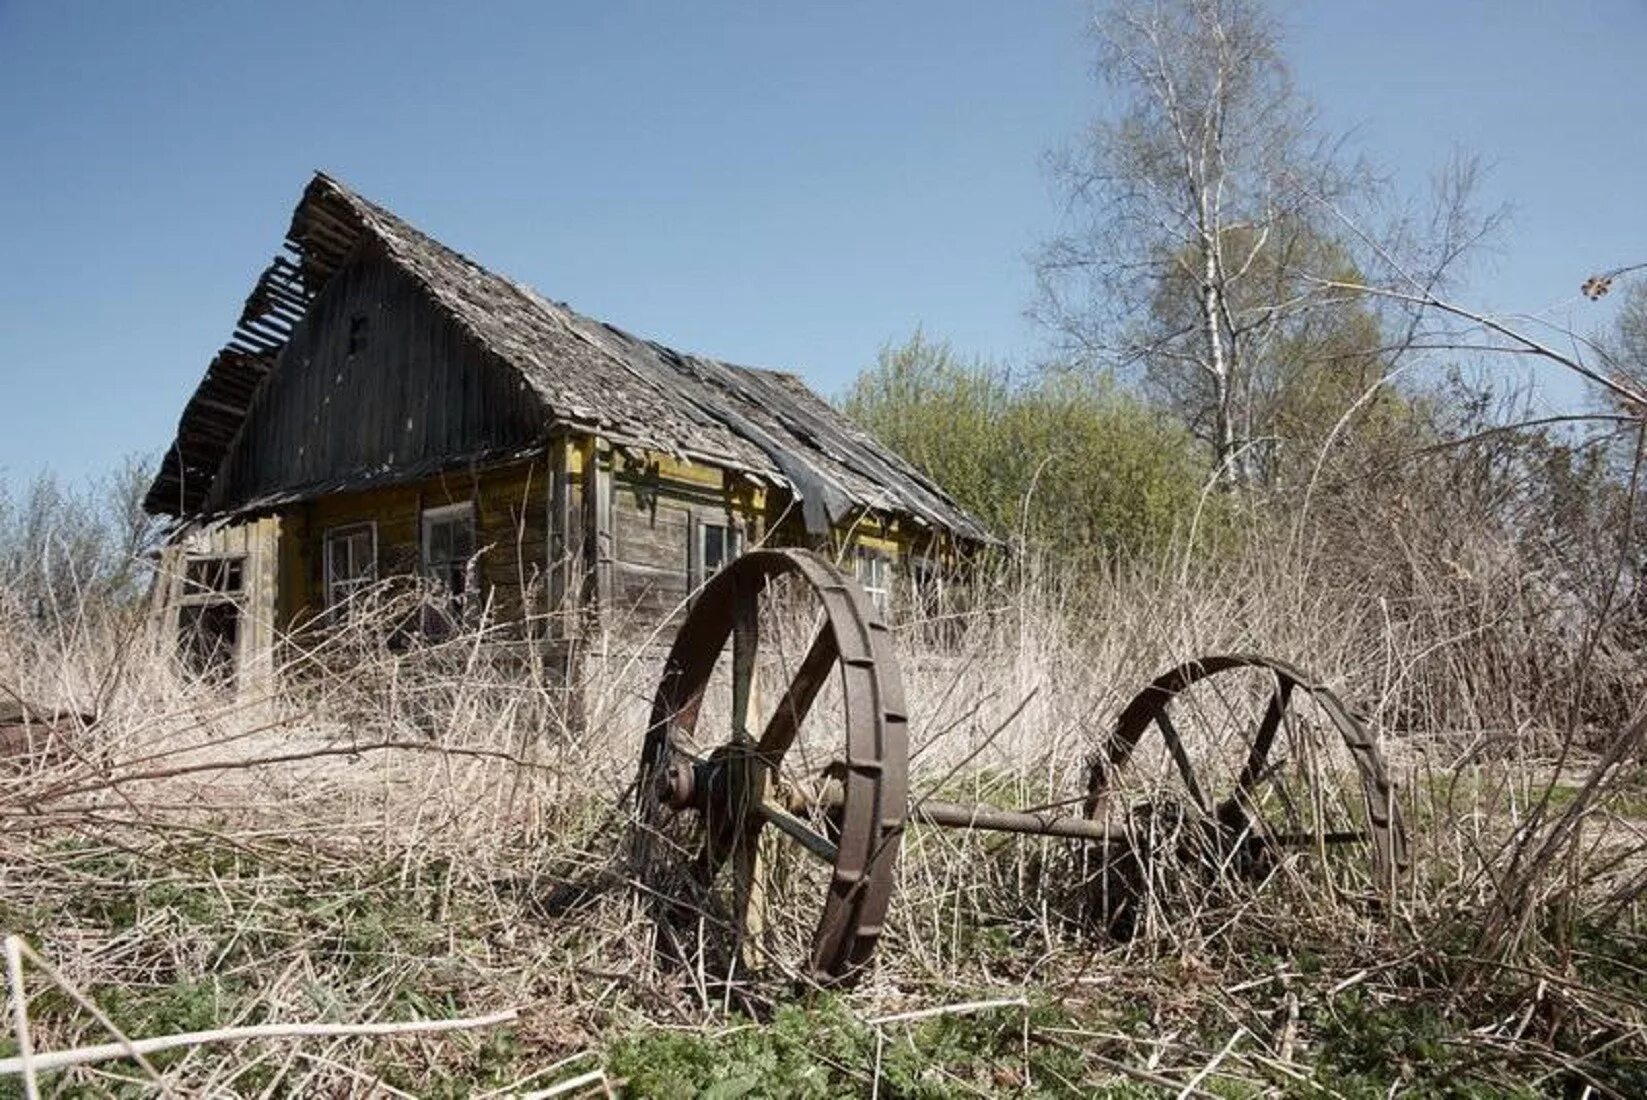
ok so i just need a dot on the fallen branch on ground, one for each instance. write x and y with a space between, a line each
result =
79 1056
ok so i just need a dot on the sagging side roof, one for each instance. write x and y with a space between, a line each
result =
590 376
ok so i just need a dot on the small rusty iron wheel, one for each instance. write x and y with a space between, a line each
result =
705 798
1240 816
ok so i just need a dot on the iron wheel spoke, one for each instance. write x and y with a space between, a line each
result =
799 831
798 698
1175 745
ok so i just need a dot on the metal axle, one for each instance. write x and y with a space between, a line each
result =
955 815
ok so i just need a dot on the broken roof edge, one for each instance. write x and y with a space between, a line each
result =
815 451
826 500
363 481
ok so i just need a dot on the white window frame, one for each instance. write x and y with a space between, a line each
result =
354 583
865 560
444 513
731 536
440 621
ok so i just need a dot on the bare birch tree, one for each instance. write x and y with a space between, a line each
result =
1194 240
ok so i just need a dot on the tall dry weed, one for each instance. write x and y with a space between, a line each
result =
383 831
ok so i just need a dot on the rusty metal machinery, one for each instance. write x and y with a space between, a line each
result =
812 802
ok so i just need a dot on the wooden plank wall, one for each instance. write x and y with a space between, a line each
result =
580 478
511 505
620 543
375 378
257 544
656 502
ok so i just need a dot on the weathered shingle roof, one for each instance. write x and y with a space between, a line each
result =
588 374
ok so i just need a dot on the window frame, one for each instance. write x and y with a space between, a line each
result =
192 592
444 513
199 606
355 583
731 545
879 594
438 620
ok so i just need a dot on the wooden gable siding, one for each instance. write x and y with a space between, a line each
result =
511 504
376 379
906 547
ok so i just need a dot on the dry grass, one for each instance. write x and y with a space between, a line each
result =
421 835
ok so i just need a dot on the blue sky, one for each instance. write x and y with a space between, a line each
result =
779 184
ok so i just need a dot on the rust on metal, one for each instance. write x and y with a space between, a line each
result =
1385 833
737 789
954 815
854 642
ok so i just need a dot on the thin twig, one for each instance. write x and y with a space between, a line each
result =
1201 1074
104 1051
948 1010
98 1014
568 1086
26 1062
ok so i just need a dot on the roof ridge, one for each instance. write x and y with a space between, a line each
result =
583 370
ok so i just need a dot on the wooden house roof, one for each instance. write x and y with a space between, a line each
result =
590 376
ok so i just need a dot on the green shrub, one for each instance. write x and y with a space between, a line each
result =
1074 466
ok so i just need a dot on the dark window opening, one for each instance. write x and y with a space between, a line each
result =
357 333
721 543
351 564
713 546
448 557
208 636
208 614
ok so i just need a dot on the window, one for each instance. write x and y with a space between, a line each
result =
713 546
448 548
204 576
208 614
357 334
718 545
874 570
351 562
209 634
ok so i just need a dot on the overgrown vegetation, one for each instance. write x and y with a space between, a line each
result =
424 838
63 545
1083 472
1265 431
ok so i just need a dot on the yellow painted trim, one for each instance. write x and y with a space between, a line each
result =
746 495
876 533
670 468
892 546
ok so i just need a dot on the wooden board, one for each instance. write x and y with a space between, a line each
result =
376 377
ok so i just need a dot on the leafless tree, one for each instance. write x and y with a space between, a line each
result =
1204 246
61 544
1198 180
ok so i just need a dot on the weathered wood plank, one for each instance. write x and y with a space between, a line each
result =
414 389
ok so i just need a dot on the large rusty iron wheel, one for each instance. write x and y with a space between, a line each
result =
735 896
1242 781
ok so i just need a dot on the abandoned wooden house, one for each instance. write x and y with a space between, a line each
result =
387 407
